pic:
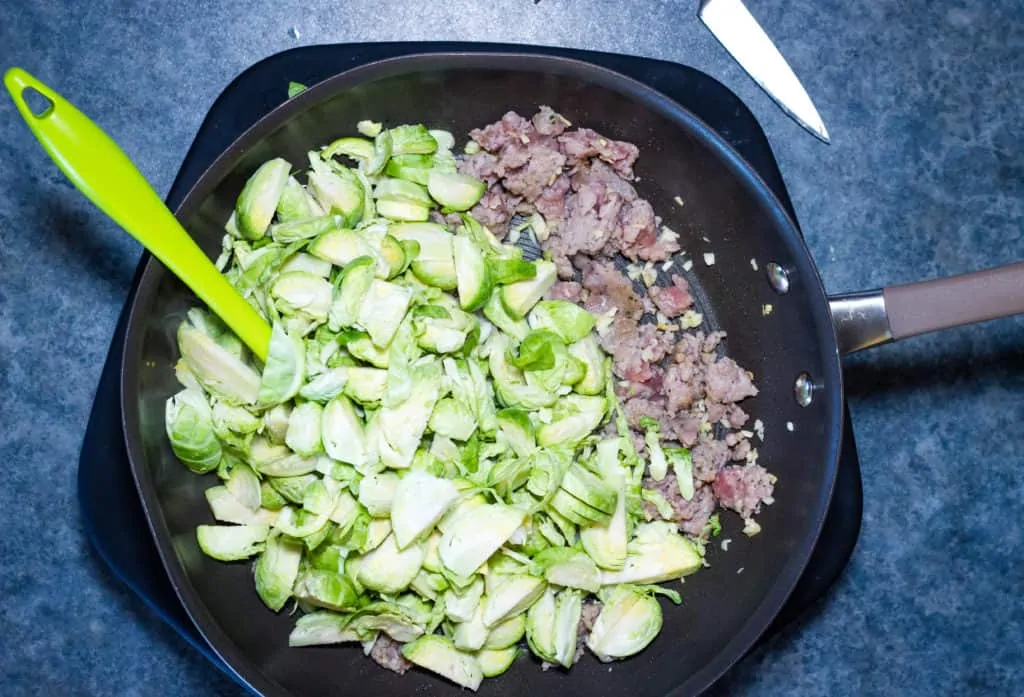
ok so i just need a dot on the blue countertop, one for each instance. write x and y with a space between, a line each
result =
925 177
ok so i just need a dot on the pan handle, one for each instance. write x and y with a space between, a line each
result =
871 318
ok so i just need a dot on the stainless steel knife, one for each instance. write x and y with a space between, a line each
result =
737 30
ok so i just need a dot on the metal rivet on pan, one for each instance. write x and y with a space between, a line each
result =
803 390
778 278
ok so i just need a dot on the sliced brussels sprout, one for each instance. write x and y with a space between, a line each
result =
494 662
606 544
460 604
342 432
476 534
189 423
628 623
509 382
494 310
293 489
383 309
259 198
402 426
244 485
217 369
575 511
296 204
297 229
231 542
321 628
298 522
413 168
274 460
401 190
571 568
435 264
275 422
304 428
302 294
516 427
227 509
285 369
412 139
507 633
337 189
470 636
419 502
353 289
589 353
472 277
575 417
682 464
439 655
656 553
455 191
568 320
388 569
510 595
402 210
519 298
276 571
377 493
453 419
326 589
589 488
270 499
429 585
504 271
359 149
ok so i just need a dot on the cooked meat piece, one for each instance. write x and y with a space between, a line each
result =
672 300
602 278
548 123
551 202
512 128
495 209
744 488
388 653
691 516
482 165
584 143
543 166
639 407
565 290
591 609
741 450
685 427
637 233
683 384
728 382
709 456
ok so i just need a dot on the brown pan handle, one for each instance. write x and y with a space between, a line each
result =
876 317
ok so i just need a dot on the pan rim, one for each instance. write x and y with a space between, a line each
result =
832 399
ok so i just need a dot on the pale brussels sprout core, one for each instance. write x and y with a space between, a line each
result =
425 454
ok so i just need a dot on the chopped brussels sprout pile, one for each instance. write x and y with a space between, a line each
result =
421 453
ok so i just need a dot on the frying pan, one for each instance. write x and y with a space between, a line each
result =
759 259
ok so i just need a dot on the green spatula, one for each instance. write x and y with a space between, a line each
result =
101 170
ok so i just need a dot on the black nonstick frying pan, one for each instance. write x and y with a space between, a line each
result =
759 258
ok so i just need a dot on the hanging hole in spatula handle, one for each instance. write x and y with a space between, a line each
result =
32 97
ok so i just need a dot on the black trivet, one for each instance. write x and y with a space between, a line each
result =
110 505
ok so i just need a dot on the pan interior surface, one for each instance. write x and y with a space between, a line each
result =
726 211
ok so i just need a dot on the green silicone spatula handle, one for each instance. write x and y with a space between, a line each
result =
101 170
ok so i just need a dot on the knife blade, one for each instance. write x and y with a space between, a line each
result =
737 30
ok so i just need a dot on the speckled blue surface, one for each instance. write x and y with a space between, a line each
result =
925 177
